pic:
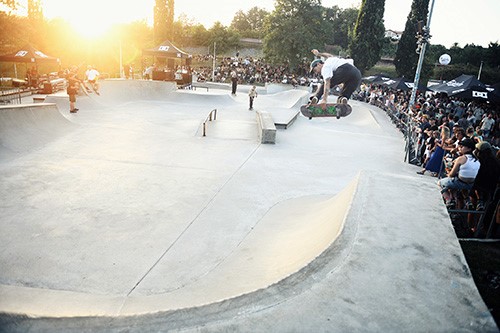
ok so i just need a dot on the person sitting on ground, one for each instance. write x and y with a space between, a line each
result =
462 174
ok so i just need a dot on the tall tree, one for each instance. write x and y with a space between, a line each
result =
35 12
369 33
35 16
293 29
163 20
406 59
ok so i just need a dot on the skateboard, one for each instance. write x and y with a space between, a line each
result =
332 110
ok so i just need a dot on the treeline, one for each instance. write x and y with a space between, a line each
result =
288 33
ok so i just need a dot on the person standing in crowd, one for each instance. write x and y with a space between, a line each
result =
252 94
72 89
335 71
92 76
434 165
234 81
487 125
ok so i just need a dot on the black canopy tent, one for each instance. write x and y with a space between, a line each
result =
495 91
29 55
467 87
377 78
166 50
403 84
169 53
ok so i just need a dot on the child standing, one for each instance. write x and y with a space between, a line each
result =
252 94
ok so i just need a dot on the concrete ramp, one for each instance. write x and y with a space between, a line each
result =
287 239
119 91
27 127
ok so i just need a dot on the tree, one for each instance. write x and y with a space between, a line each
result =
343 22
406 59
13 33
10 4
163 20
250 24
492 56
293 29
225 38
37 22
368 34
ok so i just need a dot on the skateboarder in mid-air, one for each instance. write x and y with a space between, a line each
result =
335 71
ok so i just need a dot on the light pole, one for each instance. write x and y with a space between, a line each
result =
480 70
213 63
423 38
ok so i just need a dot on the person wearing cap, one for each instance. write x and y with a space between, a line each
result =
462 174
335 71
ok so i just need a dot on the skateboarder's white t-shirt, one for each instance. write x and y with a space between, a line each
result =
92 74
331 64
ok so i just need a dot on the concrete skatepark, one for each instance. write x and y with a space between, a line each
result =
124 217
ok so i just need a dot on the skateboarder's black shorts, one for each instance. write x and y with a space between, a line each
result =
350 76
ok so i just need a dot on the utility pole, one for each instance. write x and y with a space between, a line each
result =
480 70
423 37
213 63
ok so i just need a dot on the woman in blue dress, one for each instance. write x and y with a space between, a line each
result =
434 163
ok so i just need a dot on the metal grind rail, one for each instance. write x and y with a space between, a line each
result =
209 118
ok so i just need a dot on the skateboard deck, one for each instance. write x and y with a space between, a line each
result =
332 110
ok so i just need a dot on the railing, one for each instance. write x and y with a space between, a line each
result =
13 95
209 118
482 223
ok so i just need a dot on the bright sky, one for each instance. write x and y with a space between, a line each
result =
461 21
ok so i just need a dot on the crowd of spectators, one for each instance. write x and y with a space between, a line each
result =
250 70
453 140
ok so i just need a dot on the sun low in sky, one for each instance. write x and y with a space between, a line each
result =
92 18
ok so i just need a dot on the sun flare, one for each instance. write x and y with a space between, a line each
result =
93 18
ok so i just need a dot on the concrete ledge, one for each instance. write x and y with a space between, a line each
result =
199 85
267 129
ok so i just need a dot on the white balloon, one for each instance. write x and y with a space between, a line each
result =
444 59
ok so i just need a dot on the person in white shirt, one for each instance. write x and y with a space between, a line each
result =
92 76
252 94
463 173
335 71
487 124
